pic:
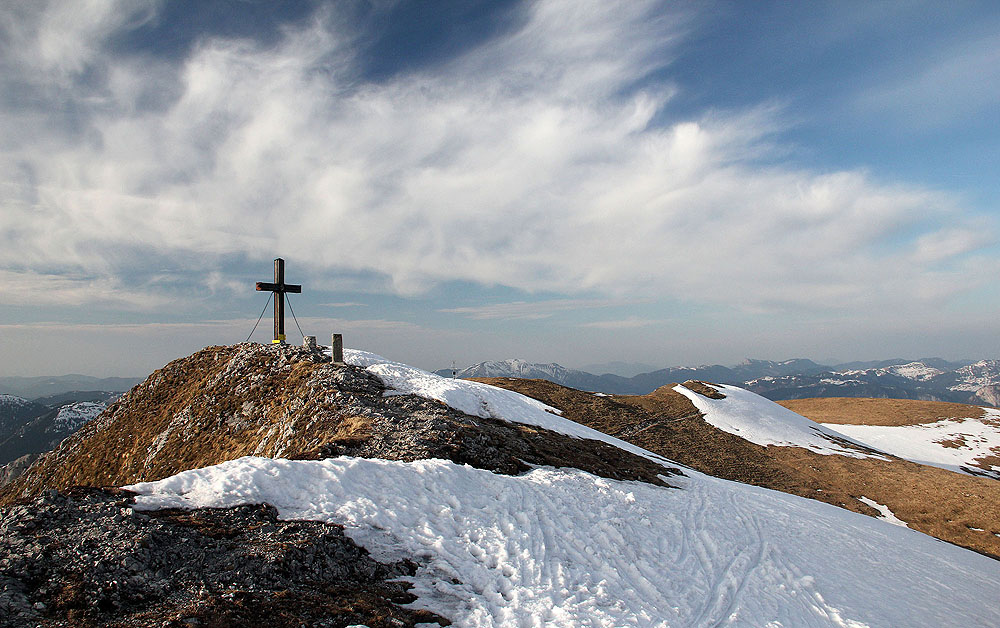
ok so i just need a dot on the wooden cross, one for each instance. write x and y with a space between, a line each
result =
279 288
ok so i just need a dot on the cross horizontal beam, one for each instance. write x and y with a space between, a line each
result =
278 287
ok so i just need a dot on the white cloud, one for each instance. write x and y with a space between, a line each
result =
525 310
531 161
61 39
631 322
31 288
52 348
949 243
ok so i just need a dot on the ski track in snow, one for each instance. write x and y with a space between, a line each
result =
561 547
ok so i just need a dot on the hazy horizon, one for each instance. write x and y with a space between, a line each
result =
582 367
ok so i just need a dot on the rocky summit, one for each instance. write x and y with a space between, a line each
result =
291 402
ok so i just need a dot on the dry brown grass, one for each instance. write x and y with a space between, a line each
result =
941 503
198 421
226 402
704 388
888 412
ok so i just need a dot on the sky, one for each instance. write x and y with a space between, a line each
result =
571 181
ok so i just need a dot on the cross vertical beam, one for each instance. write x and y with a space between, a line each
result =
279 301
279 288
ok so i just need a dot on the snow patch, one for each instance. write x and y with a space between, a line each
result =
764 422
950 444
838 382
887 514
564 548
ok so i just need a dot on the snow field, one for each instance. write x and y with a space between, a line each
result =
561 547
969 440
763 422
482 400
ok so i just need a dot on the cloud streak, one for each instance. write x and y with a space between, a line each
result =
525 310
544 160
631 322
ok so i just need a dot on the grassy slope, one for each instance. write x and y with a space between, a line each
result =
889 412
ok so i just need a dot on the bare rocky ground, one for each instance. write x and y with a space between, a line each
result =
16 468
84 558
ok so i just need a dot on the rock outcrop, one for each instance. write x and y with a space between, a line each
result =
223 403
86 558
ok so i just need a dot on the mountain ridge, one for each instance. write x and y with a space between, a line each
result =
48 385
931 379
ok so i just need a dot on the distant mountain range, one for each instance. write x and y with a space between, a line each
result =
48 385
930 379
33 427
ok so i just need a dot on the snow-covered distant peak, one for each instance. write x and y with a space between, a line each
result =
480 400
13 401
914 370
978 375
982 364
517 368
763 422
73 416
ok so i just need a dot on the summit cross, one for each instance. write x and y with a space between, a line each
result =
279 288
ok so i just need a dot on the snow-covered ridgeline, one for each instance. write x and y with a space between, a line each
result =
914 370
839 382
515 368
975 376
481 400
559 547
12 401
949 444
917 371
764 422
73 416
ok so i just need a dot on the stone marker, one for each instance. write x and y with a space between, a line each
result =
337 348
309 342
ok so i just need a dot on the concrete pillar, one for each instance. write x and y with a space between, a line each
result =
337 348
